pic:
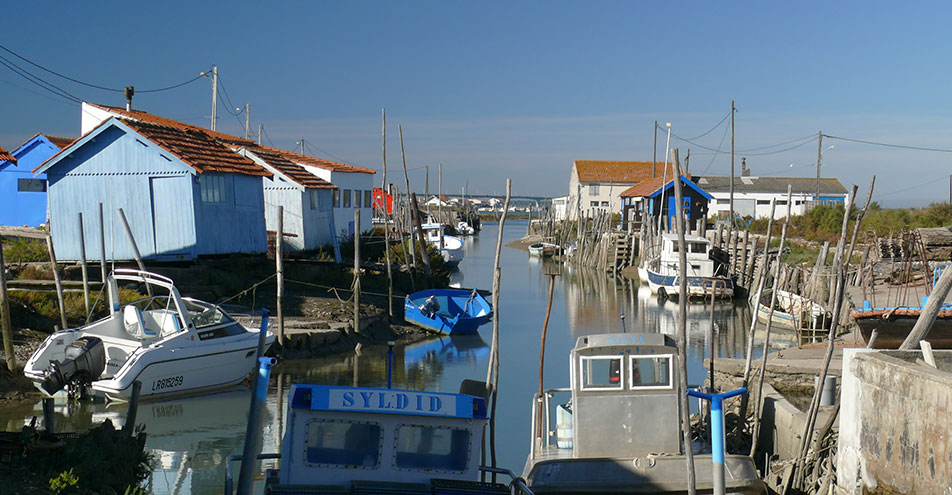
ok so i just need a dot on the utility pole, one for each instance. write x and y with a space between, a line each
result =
654 153
730 217
214 95
819 154
260 127
302 146
247 121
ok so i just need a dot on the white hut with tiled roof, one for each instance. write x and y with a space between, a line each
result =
596 185
354 190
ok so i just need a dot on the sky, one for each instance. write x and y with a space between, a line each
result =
497 90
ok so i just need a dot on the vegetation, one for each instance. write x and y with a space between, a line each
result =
23 250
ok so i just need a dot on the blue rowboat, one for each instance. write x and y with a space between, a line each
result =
452 311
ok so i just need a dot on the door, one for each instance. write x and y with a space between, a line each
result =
173 217
672 211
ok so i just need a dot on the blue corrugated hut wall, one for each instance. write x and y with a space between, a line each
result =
279 193
24 207
235 224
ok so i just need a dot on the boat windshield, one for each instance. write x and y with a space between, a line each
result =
343 443
601 373
650 372
432 447
206 315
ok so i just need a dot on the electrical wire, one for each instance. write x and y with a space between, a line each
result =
888 145
52 88
712 128
723 137
96 86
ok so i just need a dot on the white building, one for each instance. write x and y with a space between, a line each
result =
354 190
559 205
752 195
595 185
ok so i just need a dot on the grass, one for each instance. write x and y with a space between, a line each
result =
22 250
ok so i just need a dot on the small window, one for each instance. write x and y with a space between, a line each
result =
312 194
594 203
604 203
213 188
346 198
697 247
593 189
763 201
601 373
428 448
335 199
651 372
356 198
343 444
782 202
723 201
368 198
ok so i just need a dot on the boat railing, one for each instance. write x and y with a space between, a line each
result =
544 402
132 274
229 477
517 482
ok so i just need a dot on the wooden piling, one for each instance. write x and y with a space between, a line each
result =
356 271
743 261
57 280
82 261
129 427
6 325
279 274
102 244
132 240
49 416
406 176
386 218
419 231
492 373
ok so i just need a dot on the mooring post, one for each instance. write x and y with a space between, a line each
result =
82 260
6 326
102 244
130 425
279 273
57 280
49 419
718 449
259 392
356 271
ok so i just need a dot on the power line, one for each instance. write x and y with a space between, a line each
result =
52 88
888 145
96 86
712 128
724 136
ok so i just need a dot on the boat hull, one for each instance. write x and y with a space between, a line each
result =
721 288
461 311
894 325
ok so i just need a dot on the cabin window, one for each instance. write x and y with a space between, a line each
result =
346 198
213 188
430 447
601 373
697 247
312 195
343 444
335 200
650 372
368 198
593 189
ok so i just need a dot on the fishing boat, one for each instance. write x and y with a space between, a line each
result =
169 343
452 311
793 312
619 433
704 279
463 228
542 249
450 247
893 324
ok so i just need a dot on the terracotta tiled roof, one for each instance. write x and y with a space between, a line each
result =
6 156
197 148
59 142
616 171
647 187
325 164
292 170
155 119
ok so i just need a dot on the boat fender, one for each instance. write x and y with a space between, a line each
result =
430 306
644 463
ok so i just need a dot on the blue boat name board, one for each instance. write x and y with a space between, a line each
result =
391 401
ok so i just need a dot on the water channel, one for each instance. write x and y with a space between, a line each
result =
191 437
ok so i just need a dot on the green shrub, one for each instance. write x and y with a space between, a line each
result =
64 482
21 250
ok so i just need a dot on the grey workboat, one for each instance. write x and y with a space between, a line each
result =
619 433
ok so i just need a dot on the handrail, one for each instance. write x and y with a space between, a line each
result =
144 275
229 477
516 480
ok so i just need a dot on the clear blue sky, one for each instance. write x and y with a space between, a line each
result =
519 89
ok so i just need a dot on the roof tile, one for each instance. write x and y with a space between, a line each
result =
6 156
292 170
617 171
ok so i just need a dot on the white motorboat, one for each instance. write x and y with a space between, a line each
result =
451 247
170 344
463 228
542 249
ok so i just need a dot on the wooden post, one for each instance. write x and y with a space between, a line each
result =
743 261
102 244
412 210
129 427
58 281
682 330
735 236
419 230
545 327
492 372
5 323
49 417
279 270
82 260
132 240
749 265
719 240
386 219
356 271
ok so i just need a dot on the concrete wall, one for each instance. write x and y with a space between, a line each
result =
895 428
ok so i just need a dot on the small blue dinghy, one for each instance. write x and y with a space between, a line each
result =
452 311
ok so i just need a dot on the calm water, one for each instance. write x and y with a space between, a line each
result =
191 437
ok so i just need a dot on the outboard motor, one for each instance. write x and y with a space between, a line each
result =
84 363
430 307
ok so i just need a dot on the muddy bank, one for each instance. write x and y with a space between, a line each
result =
525 242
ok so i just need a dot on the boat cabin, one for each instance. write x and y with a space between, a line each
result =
356 438
624 395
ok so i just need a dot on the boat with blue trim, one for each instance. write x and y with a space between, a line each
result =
452 311
704 278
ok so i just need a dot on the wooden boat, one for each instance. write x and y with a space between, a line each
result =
794 312
450 247
542 249
453 311
703 281
894 324
619 433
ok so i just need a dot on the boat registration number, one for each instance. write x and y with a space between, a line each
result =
170 382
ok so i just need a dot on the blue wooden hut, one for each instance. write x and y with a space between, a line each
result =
23 196
649 198
184 193
306 198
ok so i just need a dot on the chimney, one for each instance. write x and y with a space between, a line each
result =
130 90
744 171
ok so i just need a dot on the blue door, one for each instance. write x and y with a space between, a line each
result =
672 211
